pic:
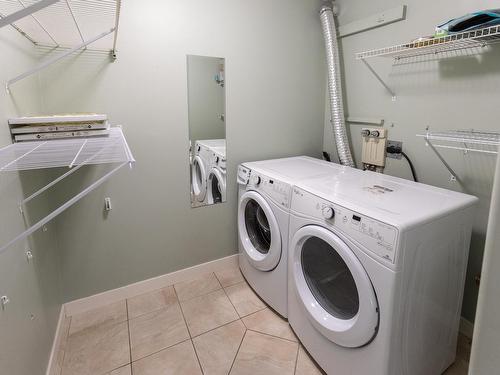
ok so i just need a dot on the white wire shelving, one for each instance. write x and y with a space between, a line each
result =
63 27
72 153
462 140
473 42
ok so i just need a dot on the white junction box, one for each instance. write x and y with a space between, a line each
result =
374 146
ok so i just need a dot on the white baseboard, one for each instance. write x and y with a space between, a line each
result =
141 287
466 327
56 343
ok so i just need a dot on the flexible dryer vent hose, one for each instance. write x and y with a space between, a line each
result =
335 85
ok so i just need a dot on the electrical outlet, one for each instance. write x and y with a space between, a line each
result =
397 146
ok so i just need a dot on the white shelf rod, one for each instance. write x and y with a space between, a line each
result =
62 208
22 156
55 59
40 24
11 18
2 16
75 21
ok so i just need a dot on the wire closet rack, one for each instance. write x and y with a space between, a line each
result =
71 153
462 140
65 26
475 41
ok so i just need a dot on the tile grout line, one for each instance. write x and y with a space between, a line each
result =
273 336
197 357
296 360
159 351
129 338
213 329
65 344
238 351
201 295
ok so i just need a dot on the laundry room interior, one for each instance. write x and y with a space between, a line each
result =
249 187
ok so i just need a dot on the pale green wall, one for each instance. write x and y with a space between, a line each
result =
35 288
457 93
275 107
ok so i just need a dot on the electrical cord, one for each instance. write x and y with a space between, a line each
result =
411 166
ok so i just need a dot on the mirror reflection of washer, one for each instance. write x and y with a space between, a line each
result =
216 181
376 273
201 166
264 196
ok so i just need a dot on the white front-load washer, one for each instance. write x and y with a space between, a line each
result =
264 198
216 180
201 165
376 273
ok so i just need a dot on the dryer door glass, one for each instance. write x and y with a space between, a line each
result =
329 279
257 226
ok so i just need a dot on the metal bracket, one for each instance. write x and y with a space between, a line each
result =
377 76
453 176
4 300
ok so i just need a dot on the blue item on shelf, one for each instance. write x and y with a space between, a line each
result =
472 21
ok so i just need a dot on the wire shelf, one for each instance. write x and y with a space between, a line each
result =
66 152
462 140
465 140
65 23
470 40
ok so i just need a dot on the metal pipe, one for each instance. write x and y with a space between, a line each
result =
335 84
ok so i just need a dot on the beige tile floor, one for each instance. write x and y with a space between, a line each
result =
213 325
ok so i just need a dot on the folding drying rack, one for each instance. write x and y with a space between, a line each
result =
71 153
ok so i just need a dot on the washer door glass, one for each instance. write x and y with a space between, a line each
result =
259 231
329 279
333 287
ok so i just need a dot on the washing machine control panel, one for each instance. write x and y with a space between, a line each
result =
378 237
276 190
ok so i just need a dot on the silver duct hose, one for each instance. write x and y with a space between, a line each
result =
335 85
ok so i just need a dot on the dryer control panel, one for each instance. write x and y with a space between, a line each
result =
274 189
378 237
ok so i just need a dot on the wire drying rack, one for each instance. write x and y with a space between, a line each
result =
486 142
71 153
63 25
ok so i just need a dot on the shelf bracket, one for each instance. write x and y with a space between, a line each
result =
62 208
453 176
55 59
377 76
11 18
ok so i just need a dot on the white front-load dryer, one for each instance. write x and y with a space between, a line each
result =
376 273
216 180
264 196
201 166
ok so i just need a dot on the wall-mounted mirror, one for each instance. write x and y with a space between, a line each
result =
207 129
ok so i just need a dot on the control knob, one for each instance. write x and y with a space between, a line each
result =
255 180
328 212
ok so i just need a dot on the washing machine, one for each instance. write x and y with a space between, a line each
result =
377 268
201 165
264 199
216 180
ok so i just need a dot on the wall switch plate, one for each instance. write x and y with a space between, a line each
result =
397 145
